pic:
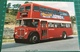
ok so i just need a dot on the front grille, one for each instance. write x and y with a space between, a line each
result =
21 32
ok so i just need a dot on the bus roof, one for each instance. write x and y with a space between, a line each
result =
43 6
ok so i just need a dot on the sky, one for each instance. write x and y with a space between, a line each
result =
68 6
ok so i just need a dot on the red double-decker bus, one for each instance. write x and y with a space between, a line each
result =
37 22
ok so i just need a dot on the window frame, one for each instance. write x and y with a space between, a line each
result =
27 9
38 8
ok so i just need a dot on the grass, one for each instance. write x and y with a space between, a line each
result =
10 26
10 18
7 40
75 33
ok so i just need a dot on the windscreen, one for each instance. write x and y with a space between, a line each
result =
29 22
27 8
22 8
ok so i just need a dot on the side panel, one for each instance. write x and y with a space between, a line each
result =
58 32
35 14
69 31
51 33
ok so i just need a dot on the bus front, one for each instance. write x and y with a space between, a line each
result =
27 30
27 27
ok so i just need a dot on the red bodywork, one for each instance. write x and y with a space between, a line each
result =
22 32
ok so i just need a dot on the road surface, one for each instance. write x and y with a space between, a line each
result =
70 44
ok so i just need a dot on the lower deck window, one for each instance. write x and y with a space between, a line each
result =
59 25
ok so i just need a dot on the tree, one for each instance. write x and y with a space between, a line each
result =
73 19
14 12
8 6
16 6
15 9
26 2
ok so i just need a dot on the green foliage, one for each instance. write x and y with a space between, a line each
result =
11 13
26 2
14 12
73 19
8 6
10 18
16 6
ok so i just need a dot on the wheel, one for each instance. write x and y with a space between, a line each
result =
16 40
64 35
34 38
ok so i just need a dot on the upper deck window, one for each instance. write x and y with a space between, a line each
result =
36 8
43 9
56 12
27 8
21 8
49 10
64 14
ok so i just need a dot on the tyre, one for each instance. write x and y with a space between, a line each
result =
34 38
64 35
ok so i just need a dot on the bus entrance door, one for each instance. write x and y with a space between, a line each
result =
44 29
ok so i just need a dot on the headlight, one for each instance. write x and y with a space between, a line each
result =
25 33
15 32
20 16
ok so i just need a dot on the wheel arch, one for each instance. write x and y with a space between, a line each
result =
64 32
33 32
